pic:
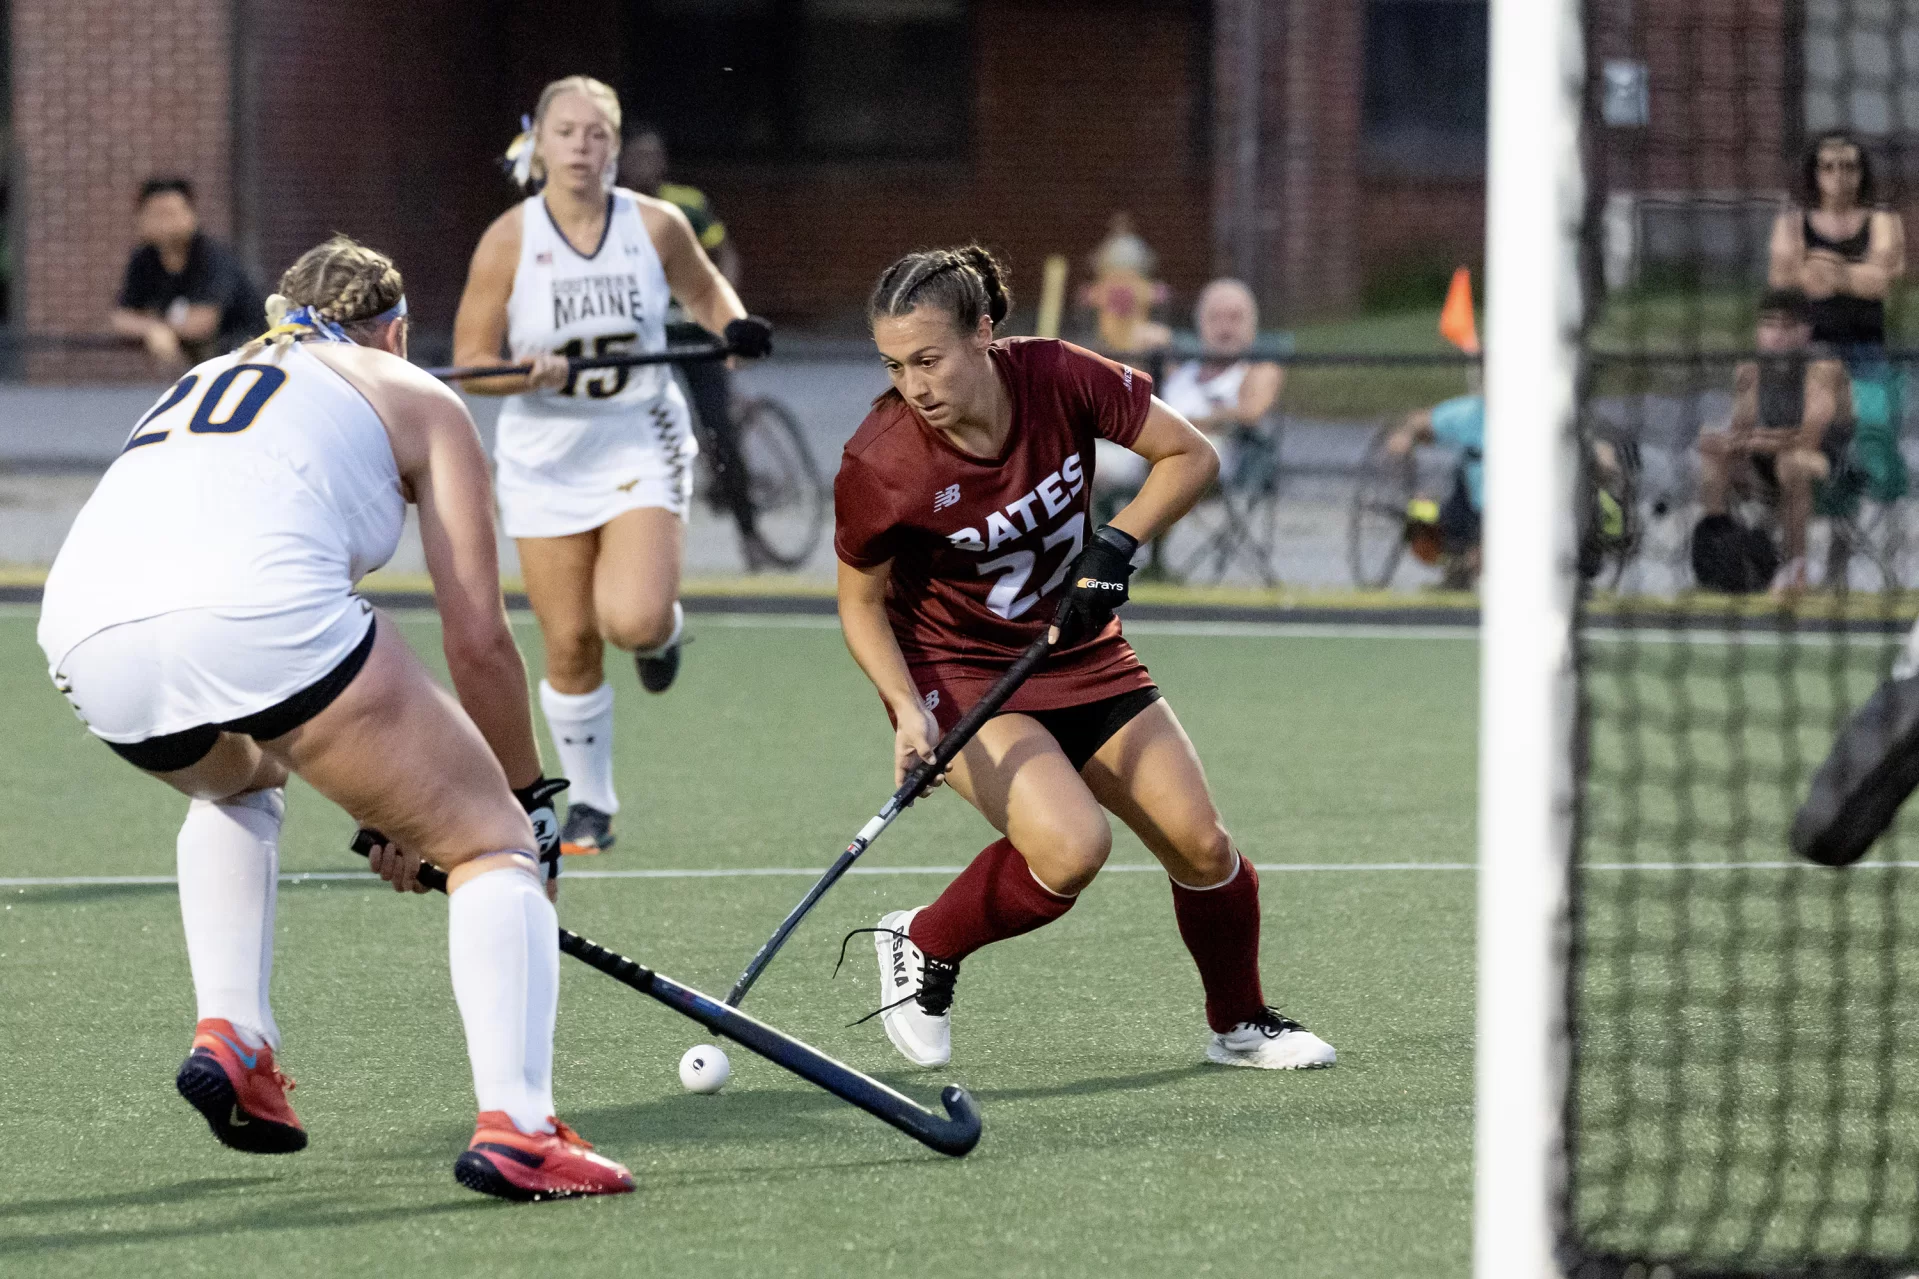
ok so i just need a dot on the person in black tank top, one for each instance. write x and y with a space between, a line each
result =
1839 250
1791 424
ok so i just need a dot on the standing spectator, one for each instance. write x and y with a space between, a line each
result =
643 164
186 296
1840 249
1123 292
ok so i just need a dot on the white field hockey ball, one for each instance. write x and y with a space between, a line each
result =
704 1068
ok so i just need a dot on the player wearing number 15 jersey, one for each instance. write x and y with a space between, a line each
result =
595 467
963 504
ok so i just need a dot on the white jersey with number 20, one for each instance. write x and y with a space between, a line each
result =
610 440
266 485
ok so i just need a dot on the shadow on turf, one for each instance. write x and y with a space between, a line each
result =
736 1115
305 1216
176 1193
1102 1084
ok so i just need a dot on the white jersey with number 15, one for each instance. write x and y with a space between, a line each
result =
610 300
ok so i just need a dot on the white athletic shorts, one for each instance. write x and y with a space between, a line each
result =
199 666
559 476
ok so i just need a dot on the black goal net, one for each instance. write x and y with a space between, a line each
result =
1743 1069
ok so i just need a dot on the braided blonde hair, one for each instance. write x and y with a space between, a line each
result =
522 155
342 280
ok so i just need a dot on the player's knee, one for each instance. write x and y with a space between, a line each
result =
638 629
1074 855
572 650
1210 856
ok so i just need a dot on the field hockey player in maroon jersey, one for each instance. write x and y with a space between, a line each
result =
963 534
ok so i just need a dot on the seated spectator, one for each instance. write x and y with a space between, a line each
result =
185 297
1840 250
1458 424
1222 393
1791 424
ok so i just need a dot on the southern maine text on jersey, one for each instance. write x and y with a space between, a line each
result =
595 296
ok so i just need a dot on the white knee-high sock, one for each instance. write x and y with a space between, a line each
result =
582 726
503 941
229 865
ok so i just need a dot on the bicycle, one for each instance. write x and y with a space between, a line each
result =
790 498
1383 522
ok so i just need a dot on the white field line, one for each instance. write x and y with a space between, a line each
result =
826 622
741 872
801 872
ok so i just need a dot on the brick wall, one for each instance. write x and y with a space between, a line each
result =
106 94
383 121
1081 108
379 121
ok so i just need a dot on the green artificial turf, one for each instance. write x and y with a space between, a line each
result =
1109 1148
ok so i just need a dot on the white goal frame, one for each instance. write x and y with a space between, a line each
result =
1535 204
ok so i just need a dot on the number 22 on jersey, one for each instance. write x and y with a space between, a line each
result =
227 405
1015 569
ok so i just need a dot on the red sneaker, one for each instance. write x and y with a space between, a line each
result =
510 1164
240 1091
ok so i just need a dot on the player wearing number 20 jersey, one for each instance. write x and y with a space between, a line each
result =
609 440
981 546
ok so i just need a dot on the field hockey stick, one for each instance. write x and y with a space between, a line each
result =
580 363
954 1133
917 779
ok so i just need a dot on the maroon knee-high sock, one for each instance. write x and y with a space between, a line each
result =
994 898
1220 926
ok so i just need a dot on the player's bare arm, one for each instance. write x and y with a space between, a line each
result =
869 637
479 326
690 274
1184 462
445 470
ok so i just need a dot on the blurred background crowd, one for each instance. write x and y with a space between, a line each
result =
1274 206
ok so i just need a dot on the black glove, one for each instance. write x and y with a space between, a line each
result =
1096 586
751 337
537 799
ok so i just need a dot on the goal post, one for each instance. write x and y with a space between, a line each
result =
1534 207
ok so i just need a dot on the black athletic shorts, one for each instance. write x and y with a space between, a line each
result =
189 746
1082 730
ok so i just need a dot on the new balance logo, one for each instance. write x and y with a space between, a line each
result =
948 496
931 701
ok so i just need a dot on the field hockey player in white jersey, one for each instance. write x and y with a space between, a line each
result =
201 618
595 468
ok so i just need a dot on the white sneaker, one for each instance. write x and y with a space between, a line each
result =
923 1037
1273 1041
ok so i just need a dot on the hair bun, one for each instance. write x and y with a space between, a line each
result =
999 298
277 307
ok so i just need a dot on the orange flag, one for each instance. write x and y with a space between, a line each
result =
1456 322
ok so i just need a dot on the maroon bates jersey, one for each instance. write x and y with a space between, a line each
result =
981 545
